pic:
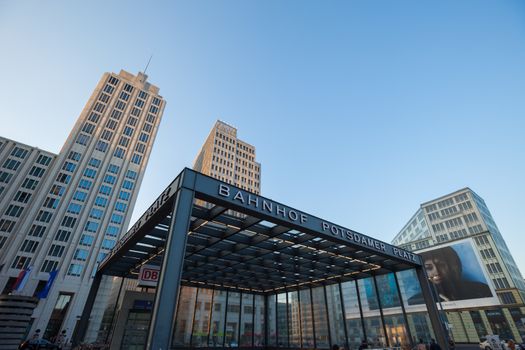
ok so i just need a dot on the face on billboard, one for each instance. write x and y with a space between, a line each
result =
455 273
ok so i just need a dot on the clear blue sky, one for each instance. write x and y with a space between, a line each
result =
359 110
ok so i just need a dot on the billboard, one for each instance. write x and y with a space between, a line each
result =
457 277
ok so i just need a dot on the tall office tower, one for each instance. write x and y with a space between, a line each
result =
225 157
457 217
61 214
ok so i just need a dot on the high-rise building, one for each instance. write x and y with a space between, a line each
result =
61 214
225 157
459 216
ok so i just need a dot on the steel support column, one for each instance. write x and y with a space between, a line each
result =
433 313
343 311
165 306
361 311
81 328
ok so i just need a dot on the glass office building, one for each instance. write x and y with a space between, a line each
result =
240 270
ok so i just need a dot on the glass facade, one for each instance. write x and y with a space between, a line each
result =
374 309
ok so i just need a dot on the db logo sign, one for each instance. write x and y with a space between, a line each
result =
149 275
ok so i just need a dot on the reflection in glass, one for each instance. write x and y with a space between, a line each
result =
272 320
335 314
217 318
420 327
410 289
320 319
294 319
183 321
306 319
371 314
388 295
201 320
282 320
258 337
352 314
396 330
247 320
232 320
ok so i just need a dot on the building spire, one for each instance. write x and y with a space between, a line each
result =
145 69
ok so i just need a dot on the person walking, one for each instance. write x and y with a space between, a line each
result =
434 345
421 345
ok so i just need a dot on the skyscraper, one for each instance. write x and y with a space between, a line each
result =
227 158
61 214
459 216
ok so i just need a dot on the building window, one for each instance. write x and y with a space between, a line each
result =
81 254
91 226
113 168
11 164
62 235
86 240
74 270
91 173
101 146
80 196
101 201
124 195
116 218
94 162
14 210
119 206
112 231
37 230
119 152
74 208
56 250
127 185
44 216
108 244
82 139
136 159
19 152
84 184
49 265
69 221
110 179
43 160
29 246
21 262
96 213
105 190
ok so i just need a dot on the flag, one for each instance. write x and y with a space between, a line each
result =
44 292
22 278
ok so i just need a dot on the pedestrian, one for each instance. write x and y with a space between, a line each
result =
434 345
451 344
421 345
363 345
36 335
511 345
335 347
61 340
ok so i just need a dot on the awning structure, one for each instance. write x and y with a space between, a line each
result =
207 233
242 241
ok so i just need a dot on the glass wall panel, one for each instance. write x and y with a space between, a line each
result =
320 319
371 315
247 320
184 318
272 320
232 320
258 338
282 320
294 319
218 314
411 291
396 331
420 327
393 313
201 321
307 329
335 314
352 315
481 330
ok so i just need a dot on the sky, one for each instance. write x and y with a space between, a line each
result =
359 110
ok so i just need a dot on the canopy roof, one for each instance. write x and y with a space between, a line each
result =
242 241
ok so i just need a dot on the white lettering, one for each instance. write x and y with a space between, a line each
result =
252 200
292 214
239 197
303 218
281 210
267 206
224 190
325 226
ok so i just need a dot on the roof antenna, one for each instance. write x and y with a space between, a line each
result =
145 69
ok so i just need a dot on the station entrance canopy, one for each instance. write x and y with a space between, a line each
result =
209 234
